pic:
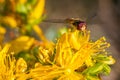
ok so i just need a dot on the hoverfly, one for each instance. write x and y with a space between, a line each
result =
76 22
80 25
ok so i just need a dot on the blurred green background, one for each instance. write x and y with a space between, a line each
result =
106 22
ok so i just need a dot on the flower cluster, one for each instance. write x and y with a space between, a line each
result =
10 69
74 56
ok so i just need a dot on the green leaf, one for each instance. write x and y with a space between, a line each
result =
31 1
94 70
21 8
106 69
103 59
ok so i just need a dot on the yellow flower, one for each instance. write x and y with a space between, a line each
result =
22 1
2 33
39 32
73 51
37 11
77 46
10 69
2 30
45 55
9 21
21 43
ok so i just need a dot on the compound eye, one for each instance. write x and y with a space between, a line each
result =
81 26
